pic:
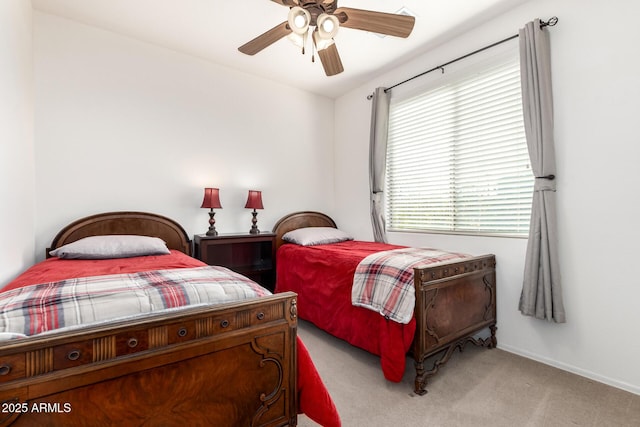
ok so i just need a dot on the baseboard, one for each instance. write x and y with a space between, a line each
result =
569 368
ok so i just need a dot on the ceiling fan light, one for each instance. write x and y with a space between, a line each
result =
327 26
299 20
321 43
296 39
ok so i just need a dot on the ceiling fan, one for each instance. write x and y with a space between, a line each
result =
327 17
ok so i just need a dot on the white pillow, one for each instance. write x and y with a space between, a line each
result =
310 236
111 246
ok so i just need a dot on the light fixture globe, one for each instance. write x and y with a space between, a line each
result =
299 20
297 39
327 26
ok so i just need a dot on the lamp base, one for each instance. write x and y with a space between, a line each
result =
254 223
212 227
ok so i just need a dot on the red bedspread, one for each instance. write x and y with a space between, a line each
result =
322 276
56 269
313 398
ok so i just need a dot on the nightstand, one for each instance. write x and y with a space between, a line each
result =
252 255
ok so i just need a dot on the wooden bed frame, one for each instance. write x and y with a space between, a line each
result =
228 365
454 301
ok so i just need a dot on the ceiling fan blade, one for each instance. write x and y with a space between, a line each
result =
289 3
265 39
330 60
377 22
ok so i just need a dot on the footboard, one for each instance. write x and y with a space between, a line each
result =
454 301
228 365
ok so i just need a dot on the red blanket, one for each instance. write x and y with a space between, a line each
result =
322 276
55 269
313 398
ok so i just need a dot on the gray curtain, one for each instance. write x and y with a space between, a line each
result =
541 291
378 161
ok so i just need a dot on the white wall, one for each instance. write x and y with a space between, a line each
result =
125 125
597 102
17 190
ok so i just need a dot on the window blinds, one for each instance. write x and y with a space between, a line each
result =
457 158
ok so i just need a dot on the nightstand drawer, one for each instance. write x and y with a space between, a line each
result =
252 255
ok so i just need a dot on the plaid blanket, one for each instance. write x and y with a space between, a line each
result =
39 308
383 281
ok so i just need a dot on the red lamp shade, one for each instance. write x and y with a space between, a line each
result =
254 200
211 198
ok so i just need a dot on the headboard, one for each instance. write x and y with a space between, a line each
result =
301 219
137 223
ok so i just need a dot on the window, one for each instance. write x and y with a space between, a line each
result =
457 159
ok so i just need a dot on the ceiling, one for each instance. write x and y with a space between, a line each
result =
214 29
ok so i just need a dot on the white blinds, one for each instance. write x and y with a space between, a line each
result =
457 158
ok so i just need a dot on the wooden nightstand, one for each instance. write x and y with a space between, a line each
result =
252 255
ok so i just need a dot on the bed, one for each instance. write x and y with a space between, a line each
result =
236 363
455 298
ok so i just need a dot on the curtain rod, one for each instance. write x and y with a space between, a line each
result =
550 23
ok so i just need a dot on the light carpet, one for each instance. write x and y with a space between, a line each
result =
478 387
